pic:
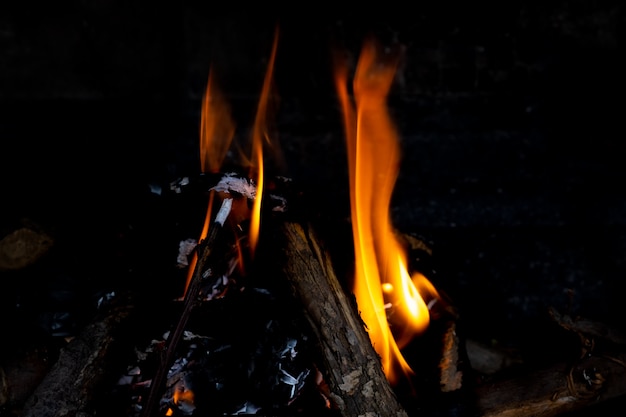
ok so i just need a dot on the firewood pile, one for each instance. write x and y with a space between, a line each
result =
279 334
269 322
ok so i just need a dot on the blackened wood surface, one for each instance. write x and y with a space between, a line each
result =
554 391
352 368
69 388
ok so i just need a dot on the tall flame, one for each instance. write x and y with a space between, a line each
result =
217 128
259 137
381 276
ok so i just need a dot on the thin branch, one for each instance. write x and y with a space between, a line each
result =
205 249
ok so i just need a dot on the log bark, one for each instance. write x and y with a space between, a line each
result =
352 369
596 375
555 390
70 386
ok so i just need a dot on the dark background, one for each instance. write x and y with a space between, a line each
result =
511 118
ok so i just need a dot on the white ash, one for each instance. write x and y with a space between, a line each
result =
177 367
155 189
177 185
247 409
187 336
185 248
216 290
130 376
230 182
105 299
233 183
296 383
249 369
281 203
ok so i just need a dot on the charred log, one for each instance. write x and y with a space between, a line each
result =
556 390
598 374
83 365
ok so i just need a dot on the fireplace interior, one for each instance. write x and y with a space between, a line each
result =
512 165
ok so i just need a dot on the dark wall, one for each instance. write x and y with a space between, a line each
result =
510 114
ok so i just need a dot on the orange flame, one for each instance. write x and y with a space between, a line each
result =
259 137
381 276
181 395
216 128
203 234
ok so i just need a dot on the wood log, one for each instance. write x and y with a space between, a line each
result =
596 375
70 386
352 369
23 247
555 390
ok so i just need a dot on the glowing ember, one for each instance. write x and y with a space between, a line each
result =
382 283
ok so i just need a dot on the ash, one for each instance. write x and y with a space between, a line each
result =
244 348
242 354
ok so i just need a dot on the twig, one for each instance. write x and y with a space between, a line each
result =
205 249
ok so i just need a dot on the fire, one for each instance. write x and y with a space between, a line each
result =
259 137
181 398
388 297
203 234
217 130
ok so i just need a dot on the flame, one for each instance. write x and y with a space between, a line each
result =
216 128
181 395
203 234
382 283
260 136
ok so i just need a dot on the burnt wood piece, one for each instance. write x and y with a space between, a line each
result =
352 369
443 312
596 375
554 391
23 247
69 388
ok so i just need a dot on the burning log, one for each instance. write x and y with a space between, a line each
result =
353 378
352 369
